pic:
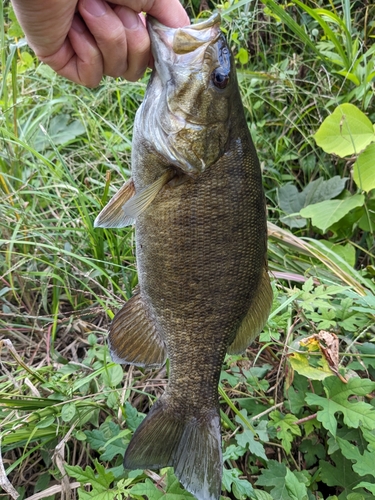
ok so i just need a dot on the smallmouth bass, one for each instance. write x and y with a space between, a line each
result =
197 201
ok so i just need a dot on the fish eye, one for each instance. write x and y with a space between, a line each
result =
220 78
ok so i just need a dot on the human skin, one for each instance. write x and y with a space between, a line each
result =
83 40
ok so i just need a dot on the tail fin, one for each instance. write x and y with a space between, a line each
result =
192 446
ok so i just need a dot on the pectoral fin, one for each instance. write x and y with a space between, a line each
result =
136 205
113 214
256 317
126 205
134 337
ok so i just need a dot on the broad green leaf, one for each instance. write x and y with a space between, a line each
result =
246 439
300 363
173 490
241 488
113 375
100 481
364 169
147 489
364 463
286 428
274 476
340 474
346 252
261 495
312 450
296 489
68 411
291 200
323 215
133 417
368 486
355 412
345 132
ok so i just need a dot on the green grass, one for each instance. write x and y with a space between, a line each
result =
65 409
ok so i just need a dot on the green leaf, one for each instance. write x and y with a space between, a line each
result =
273 478
243 56
113 375
261 495
68 411
100 482
364 463
291 200
241 487
339 475
133 417
323 215
301 364
296 489
368 486
109 440
173 490
246 439
312 450
345 132
286 428
346 252
364 169
355 413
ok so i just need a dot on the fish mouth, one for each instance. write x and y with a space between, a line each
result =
182 41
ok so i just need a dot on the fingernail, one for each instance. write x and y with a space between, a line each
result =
95 7
78 25
130 20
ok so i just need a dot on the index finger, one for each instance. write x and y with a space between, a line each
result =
168 12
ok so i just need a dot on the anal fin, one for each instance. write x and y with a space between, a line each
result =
256 317
134 337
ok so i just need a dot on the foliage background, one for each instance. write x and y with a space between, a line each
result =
292 428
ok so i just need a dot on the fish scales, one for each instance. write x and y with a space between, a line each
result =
197 200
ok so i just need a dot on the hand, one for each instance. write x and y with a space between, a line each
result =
85 39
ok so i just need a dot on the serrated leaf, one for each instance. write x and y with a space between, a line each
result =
345 132
364 169
296 489
173 490
133 417
340 475
274 478
355 413
326 213
99 481
368 486
247 439
240 487
364 463
147 489
286 428
312 451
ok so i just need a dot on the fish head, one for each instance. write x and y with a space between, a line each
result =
188 100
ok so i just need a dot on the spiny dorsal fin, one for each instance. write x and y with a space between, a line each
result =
136 205
256 317
134 337
112 214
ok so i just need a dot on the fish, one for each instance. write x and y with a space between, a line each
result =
198 205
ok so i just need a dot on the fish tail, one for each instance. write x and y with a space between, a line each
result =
191 445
